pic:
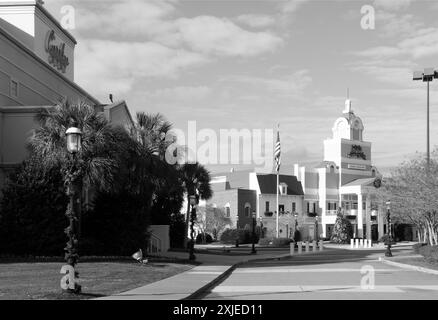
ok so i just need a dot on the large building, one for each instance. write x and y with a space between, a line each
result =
36 72
345 178
309 198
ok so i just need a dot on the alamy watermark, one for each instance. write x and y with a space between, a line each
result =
223 147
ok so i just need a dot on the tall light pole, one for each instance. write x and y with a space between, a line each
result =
74 186
254 222
388 252
193 203
427 76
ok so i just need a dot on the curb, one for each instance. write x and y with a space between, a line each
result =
201 292
408 266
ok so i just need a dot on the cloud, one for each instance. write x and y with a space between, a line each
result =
220 36
181 93
256 20
291 85
291 6
115 66
393 5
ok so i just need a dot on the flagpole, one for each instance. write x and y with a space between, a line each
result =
278 186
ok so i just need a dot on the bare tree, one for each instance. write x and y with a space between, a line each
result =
413 192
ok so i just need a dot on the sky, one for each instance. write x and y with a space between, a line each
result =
255 64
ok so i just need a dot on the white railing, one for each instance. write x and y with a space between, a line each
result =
331 212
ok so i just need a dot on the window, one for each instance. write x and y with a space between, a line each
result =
267 206
247 210
335 206
227 210
294 207
308 207
281 208
329 206
314 207
14 88
283 189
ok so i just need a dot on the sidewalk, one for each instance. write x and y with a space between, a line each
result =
187 284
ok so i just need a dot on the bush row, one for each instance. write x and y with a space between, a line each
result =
230 236
430 253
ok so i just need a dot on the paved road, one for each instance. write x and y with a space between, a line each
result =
332 274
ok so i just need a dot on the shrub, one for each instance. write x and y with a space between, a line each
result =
416 247
281 242
177 230
385 240
430 253
297 236
265 241
200 238
244 236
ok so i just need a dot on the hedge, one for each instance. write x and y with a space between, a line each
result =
275 242
243 236
416 247
430 253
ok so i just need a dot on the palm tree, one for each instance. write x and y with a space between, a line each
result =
196 180
152 132
94 165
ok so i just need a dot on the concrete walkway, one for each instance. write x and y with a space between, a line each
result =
186 285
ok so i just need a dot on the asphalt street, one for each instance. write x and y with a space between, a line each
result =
332 274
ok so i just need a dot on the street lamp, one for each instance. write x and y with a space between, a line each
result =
193 203
74 184
388 252
316 228
427 76
254 222
296 225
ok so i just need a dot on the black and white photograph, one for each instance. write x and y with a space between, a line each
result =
214 155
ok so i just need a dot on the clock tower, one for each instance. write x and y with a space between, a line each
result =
348 149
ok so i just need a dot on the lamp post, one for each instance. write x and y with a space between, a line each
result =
74 184
254 223
388 252
427 76
193 203
296 224
316 228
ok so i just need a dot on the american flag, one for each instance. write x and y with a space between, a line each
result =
277 153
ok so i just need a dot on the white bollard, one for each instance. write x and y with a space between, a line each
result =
370 243
300 247
352 243
361 243
314 245
321 245
356 243
307 246
292 248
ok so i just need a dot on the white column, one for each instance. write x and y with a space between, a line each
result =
359 215
368 216
380 221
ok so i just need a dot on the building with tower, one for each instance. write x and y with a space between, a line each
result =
346 179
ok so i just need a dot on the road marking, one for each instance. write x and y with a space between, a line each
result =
291 270
303 289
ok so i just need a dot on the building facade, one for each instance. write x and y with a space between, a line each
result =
37 72
346 179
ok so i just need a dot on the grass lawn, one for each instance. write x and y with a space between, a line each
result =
20 281
417 261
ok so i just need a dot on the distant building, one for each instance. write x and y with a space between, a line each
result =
309 198
345 178
36 72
